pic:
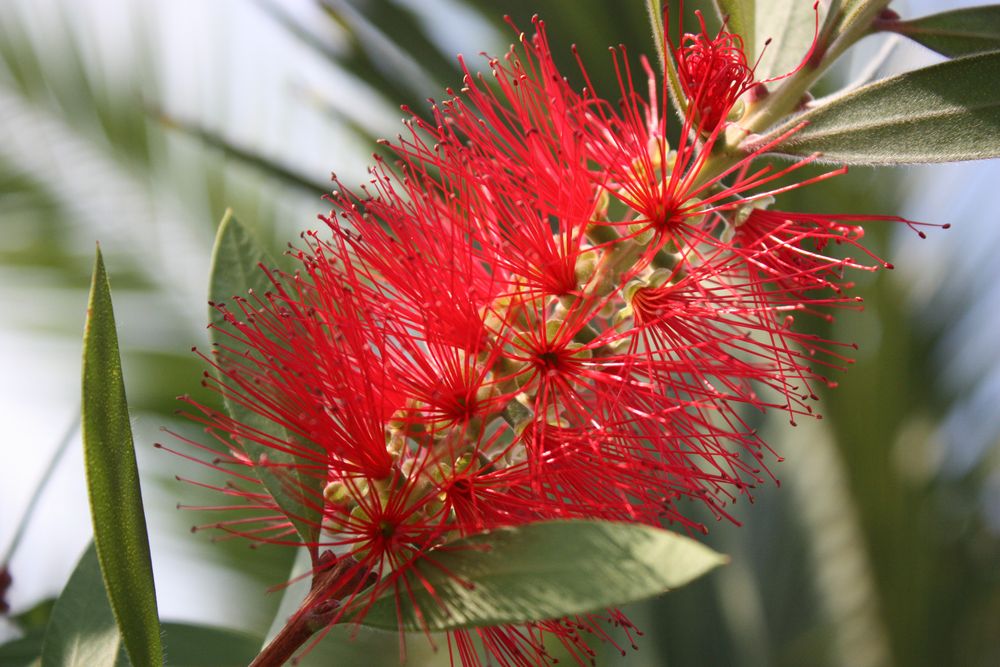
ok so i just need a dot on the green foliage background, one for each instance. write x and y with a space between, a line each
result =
878 549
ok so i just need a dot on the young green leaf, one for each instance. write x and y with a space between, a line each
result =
82 631
236 269
791 27
956 33
742 15
113 481
943 113
540 571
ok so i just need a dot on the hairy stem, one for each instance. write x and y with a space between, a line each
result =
655 12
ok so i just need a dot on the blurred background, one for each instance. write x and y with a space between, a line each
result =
135 123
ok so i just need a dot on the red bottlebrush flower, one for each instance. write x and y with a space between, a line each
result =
787 248
410 244
732 331
670 201
522 161
544 312
713 73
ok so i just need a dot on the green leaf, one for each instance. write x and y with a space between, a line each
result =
942 113
189 645
113 481
236 268
956 33
742 17
82 631
541 571
791 27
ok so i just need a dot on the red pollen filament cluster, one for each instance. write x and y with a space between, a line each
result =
713 73
543 310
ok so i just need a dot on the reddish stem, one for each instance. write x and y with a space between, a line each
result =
315 613
291 637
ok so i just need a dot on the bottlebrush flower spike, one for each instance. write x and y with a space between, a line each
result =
713 73
542 311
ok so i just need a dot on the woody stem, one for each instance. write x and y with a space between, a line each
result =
315 613
289 640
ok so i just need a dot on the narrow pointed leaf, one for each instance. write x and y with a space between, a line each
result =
236 269
791 27
540 571
943 113
956 33
113 481
82 631
742 15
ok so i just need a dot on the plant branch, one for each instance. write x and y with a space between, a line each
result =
315 613
280 650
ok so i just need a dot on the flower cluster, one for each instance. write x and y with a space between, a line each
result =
541 310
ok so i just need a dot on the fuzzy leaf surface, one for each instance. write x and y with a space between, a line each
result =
236 269
742 16
942 113
956 33
120 536
791 27
540 571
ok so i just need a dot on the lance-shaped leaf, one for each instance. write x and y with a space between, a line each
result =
742 17
113 481
956 33
791 27
82 630
943 113
540 571
237 262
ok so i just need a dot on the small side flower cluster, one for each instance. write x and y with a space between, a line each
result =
542 310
